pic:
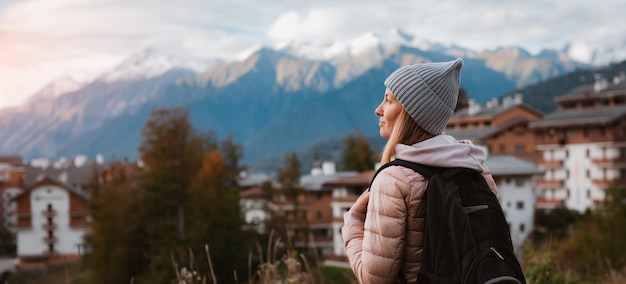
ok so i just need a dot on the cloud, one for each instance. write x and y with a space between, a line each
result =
43 39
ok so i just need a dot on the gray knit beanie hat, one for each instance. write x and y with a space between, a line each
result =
428 92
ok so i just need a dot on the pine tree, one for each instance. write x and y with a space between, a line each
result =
215 213
291 222
172 154
184 197
117 237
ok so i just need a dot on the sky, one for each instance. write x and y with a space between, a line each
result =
44 40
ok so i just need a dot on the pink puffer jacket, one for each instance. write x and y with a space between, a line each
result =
389 237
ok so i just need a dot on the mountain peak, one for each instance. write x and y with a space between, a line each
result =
56 88
146 64
514 51
254 49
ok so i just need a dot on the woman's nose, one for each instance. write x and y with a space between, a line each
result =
379 110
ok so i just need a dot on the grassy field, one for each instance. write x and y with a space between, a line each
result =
70 274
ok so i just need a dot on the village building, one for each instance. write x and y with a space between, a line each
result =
582 145
501 127
319 212
253 201
52 221
12 180
517 189
345 192
45 208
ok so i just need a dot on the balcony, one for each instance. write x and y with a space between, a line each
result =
49 213
609 162
550 164
49 227
549 203
50 240
605 182
549 182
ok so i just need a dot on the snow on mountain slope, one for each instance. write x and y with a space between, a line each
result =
147 64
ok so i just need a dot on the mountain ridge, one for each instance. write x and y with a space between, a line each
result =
270 102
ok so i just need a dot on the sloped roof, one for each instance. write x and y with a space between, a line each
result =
252 192
504 165
491 111
360 179
255 179
47 180
587 90
15 161
578 117
470 134
316 182
74 175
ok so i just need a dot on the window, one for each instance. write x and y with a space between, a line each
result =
519 205
520 149
518 133
519 182
522 227
318 215
502 148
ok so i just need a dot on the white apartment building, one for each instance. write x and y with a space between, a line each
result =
583 146
52 221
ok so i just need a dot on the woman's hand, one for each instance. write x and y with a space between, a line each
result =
358 210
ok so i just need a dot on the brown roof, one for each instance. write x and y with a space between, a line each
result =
363 178
581 117
252 192
15 161
47 180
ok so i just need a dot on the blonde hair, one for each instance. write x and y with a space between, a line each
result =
405 131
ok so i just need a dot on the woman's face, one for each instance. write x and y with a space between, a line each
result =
388 111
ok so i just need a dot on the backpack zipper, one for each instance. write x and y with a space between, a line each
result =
496 252
481 256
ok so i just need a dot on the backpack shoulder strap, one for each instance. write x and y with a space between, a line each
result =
426 171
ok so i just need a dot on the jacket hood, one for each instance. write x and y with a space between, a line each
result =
444 151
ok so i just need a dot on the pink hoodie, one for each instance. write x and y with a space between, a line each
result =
389 238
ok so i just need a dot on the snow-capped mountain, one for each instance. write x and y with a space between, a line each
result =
57 88
264 99
342 49
149 63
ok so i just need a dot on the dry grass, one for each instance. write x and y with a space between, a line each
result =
290 268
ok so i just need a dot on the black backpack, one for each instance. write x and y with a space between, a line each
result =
466 236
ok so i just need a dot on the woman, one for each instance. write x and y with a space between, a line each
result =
387 241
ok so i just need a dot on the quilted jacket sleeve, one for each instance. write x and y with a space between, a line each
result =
375 241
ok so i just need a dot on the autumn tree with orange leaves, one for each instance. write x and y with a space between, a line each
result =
185 196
